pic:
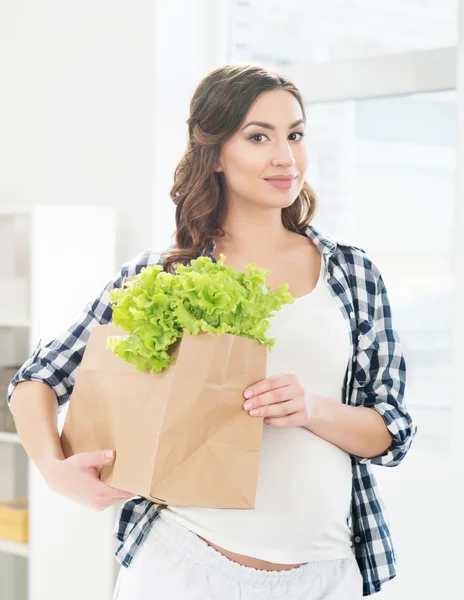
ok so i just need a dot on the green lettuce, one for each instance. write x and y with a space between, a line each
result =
156 309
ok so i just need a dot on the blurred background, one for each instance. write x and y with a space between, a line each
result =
94 96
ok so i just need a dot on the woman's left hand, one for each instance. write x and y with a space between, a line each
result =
281 400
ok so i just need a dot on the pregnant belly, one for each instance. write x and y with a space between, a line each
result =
301 509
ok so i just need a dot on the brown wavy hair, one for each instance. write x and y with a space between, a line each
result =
218 107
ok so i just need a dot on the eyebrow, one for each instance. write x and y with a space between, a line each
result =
272 127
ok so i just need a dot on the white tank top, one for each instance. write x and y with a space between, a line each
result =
304 486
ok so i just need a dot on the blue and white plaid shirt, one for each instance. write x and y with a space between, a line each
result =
375 378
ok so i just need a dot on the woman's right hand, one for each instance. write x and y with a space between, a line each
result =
77 478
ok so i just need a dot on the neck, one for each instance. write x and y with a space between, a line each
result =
253 231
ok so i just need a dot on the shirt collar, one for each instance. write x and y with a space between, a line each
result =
324 243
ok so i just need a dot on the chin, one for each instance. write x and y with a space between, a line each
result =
280 200
287 202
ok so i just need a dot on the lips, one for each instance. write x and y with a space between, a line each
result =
282 184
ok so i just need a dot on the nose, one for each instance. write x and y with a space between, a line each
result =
284 156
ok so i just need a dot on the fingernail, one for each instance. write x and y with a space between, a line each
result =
254 412
248 394
248 405
109 454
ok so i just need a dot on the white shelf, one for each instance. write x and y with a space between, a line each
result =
11 438
15 548
14 300
16 324
27 315
15 212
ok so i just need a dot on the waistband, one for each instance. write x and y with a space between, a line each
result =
167 535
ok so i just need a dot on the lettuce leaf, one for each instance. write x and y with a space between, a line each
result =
156 309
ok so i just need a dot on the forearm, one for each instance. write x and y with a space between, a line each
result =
34 408
356 429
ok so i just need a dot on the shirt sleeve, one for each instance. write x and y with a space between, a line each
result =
57 362
384 386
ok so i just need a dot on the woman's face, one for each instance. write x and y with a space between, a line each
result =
272 148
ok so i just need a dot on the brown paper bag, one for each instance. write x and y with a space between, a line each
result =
181 436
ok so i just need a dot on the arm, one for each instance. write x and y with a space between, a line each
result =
45 382
36 422
43 385
355 429
381 382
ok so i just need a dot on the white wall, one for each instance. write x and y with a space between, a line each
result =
76 109
94 101
458 321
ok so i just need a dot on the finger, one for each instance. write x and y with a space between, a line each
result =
266 385
96 459
273 397
103 490
288 421
109 497
280 409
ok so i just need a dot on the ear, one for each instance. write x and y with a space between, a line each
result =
218 168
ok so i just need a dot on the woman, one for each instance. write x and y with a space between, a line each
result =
332 400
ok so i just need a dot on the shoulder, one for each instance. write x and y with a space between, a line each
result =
359 267
147 258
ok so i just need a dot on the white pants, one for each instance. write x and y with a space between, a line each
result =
175 564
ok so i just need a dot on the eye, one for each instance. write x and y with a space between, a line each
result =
261 135
257 135
300 133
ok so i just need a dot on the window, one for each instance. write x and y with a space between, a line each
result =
282 33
